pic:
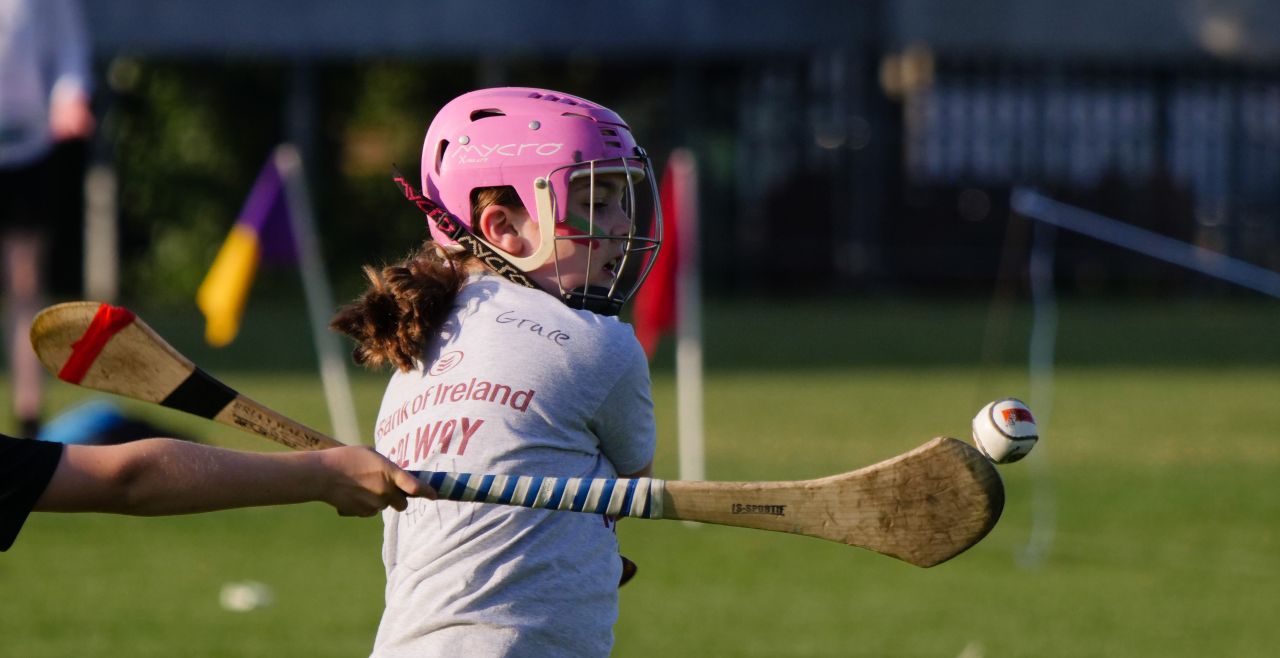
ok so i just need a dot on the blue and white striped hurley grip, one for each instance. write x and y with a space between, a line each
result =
637 497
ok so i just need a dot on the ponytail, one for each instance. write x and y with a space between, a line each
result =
403 308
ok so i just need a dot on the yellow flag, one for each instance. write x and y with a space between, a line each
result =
225 289
262 231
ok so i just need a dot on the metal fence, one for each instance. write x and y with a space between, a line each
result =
1208 137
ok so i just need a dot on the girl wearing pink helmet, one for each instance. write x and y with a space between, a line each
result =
509 359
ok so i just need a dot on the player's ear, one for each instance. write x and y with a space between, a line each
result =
502 227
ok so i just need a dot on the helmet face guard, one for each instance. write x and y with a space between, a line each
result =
548 146
625 253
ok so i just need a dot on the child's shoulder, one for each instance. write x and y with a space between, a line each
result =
512 305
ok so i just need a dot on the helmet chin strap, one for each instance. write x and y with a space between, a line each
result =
458 233
592 298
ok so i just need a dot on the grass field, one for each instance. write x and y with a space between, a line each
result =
1160 457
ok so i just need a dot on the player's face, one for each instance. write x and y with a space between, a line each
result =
589 247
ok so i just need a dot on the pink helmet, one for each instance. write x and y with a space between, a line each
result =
537 141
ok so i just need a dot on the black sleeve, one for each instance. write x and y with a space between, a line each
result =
26 466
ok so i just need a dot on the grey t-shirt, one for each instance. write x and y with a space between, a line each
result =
517 383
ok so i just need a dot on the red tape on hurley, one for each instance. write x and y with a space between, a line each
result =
106 322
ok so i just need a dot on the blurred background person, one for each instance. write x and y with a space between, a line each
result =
44 100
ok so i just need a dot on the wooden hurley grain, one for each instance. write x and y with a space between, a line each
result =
924 506
108 349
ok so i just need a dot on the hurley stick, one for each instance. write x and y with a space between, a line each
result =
923 507
108 348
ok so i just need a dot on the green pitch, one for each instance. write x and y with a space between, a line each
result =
1156 476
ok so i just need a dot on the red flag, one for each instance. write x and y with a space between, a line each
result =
655 306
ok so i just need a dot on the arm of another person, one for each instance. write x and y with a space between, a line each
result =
155 477
70 114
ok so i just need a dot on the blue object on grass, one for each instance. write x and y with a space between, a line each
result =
99 422
84 424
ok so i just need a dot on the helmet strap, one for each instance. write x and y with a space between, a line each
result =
592 298
451 227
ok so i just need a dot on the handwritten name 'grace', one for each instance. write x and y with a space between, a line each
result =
554 335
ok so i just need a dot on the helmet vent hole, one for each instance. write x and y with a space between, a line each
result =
439 159
608 132
486 114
